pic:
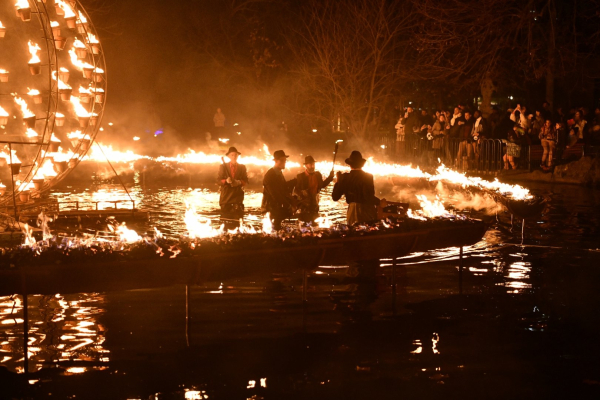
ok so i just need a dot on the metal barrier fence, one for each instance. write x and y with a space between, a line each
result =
486 157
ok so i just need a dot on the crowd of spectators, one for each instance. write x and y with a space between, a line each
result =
518 127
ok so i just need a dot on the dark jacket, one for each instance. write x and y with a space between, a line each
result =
310 203
410 123
357 186
229 194
277 192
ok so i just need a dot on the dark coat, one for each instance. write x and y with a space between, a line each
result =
410 123
229 194
277 192
357 186
311 202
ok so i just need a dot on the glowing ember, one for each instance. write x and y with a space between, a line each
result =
33 50
24 108
125 234
324 222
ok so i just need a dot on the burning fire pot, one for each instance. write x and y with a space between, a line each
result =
24 13
2 31
64 75
59 10
35 68
88 72
60 42
24 196
72 163
95 48
53 147
81 52
59 120
60 166
65 94
71 22
29 122
84 121
15 168
36 96
38 183
98 75
3 120
3 76
85 144
82 27
2 190
93 119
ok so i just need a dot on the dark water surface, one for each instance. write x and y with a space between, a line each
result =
518 322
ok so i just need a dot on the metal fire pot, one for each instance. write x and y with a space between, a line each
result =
2 190
85 144
24 13
60 166
59 42
59 121
24 196
2 32
71 22
4 77
88 72
38 183
84 121
82 53
15 168
35 68
3 120
53 147
65 94
29 122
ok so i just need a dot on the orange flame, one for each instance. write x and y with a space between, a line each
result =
24 108
33 49
69 13
80 110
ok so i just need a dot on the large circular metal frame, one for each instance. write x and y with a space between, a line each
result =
43 165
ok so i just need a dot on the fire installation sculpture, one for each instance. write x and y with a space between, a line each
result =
52 93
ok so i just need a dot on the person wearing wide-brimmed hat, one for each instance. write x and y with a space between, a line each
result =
232 177
277 192
308 185
359 189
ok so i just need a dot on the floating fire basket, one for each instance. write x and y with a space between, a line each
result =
3 76
60 42
35 68
60 166
37 183
24 196
65 93
59 120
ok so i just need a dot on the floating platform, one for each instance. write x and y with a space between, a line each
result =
98 276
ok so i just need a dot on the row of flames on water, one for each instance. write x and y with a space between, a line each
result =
200 227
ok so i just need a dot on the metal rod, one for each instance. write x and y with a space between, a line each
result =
394 286
460 272
12 180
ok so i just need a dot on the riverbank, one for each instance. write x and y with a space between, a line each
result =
583 172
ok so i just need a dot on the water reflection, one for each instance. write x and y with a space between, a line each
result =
63 330
254 337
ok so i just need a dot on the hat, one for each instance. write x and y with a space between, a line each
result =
279 154
232 150
356 159
309 160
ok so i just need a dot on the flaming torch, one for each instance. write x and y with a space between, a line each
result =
35 95
34 63
23 10
64 89
82 114
28 116
3 75
2 30
3 117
